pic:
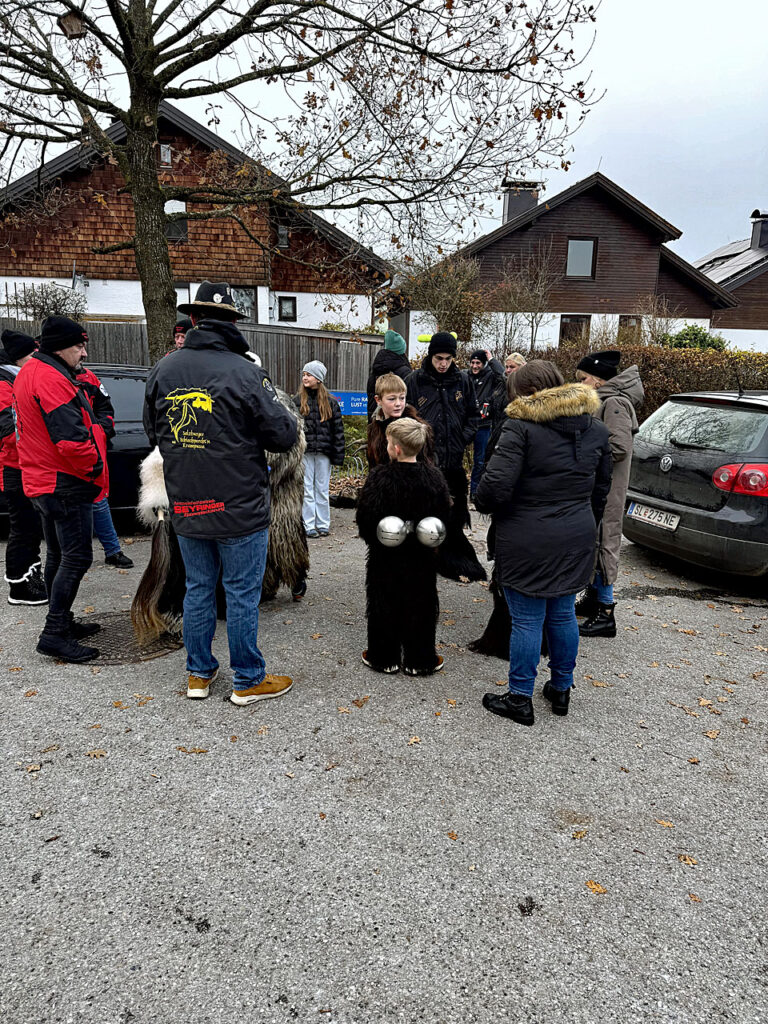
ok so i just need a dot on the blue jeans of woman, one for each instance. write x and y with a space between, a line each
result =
529 616
68 531
104 528
242 561
604 590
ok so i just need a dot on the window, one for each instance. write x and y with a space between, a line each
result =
286 308
245 300
176 230
166 154
574 328
582 257
630 327
706 427
282 237
182 293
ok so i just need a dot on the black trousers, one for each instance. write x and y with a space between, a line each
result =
68 529
402 608
25 531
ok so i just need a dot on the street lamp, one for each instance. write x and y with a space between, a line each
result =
72 24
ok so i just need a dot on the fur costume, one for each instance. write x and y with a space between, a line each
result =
457 557
401 582
158 604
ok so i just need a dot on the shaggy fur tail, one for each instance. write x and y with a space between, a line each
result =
158 604
152 495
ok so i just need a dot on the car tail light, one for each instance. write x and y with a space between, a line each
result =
743 478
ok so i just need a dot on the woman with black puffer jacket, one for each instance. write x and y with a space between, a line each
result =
324 431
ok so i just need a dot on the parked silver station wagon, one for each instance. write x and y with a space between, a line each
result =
698 487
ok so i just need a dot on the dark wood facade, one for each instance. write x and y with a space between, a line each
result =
751 314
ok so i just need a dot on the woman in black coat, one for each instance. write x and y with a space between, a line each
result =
546 486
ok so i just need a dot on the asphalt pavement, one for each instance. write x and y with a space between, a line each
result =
377 848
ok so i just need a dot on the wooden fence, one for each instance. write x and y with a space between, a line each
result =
283 352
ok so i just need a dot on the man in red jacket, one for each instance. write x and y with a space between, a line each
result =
63 458
22 555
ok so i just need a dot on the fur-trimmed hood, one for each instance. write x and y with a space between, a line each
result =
564 401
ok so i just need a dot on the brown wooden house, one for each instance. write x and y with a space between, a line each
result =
605 255
302 270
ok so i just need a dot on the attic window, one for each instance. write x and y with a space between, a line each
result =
286 308
176 230
582 257
283 241
166 154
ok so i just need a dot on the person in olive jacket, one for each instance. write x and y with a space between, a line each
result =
324 431
212 412
546 486
443 396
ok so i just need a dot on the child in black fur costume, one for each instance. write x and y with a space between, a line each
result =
401 582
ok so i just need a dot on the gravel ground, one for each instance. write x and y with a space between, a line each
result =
373 848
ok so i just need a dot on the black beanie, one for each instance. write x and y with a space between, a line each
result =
60 332
479 354
17 345
604 365
184 324
442 342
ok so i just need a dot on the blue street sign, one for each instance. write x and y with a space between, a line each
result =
352 403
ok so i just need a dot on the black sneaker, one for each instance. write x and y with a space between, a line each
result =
29 591
65 648
119 560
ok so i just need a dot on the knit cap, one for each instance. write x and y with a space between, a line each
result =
17 345
604 365
479 354
394 342
316 369
442 342
59 332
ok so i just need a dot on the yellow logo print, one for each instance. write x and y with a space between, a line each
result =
182 411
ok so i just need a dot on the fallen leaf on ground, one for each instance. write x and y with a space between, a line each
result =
343 711
745 721
53 746
16 668
31 693
451 702
452 835
262 730
322 816
193 750
712 734
233 739
580 834
663 823
315 636
654 664
693 760
599 682
704 702
290 775
756 675
89 609
595 887
96 726
96 753
361 701
687 859
32 768
694 898
501 682
412 740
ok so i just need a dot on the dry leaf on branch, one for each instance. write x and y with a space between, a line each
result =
687 859
595 887
96 753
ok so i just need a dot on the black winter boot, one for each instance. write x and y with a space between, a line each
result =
587 604
510 705
602 623
65 648
559 699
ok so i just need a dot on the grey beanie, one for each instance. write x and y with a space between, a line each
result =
316 369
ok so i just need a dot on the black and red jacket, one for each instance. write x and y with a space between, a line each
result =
62 447
8 454
99 398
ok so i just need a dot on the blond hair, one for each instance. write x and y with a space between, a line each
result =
409 435
516 358
389 384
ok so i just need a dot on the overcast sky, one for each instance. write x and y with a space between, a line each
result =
684 122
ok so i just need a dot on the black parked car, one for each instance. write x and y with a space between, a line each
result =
126 386
699 482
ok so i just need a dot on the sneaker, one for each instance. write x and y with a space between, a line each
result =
197 686
323 533
389 669
65 648
119 560
425 671
312 533
29 591
271 686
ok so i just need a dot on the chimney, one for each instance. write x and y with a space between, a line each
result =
759 229
519 197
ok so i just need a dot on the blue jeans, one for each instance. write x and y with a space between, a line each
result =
604 590
316 510
242 561
529 616
478 456
104 528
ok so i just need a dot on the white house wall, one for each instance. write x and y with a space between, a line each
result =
748 341
313 309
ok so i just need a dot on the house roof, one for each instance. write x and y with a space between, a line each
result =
720 297
734 264
84 156
594 181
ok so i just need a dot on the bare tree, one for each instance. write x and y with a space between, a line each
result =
659 318
524 292
370 105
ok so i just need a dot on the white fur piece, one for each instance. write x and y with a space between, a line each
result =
152 495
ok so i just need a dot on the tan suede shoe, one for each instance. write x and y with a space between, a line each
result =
197 686
271 686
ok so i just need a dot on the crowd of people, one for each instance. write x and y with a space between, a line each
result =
550 467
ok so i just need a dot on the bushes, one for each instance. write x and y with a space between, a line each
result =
694 336
669 371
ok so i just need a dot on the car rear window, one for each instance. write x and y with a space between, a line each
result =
127 394
715 427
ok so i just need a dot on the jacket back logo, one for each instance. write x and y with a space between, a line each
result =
183 412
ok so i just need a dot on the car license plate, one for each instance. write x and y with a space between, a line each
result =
654 516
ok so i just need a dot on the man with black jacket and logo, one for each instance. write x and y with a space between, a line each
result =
443 396
23 572
212 412
63 457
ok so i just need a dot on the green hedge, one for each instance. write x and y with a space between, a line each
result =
666 371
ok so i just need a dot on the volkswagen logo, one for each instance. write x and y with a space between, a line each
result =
666 464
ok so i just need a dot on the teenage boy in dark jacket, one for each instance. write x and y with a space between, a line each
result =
23 572
212 412
63 458
444 398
